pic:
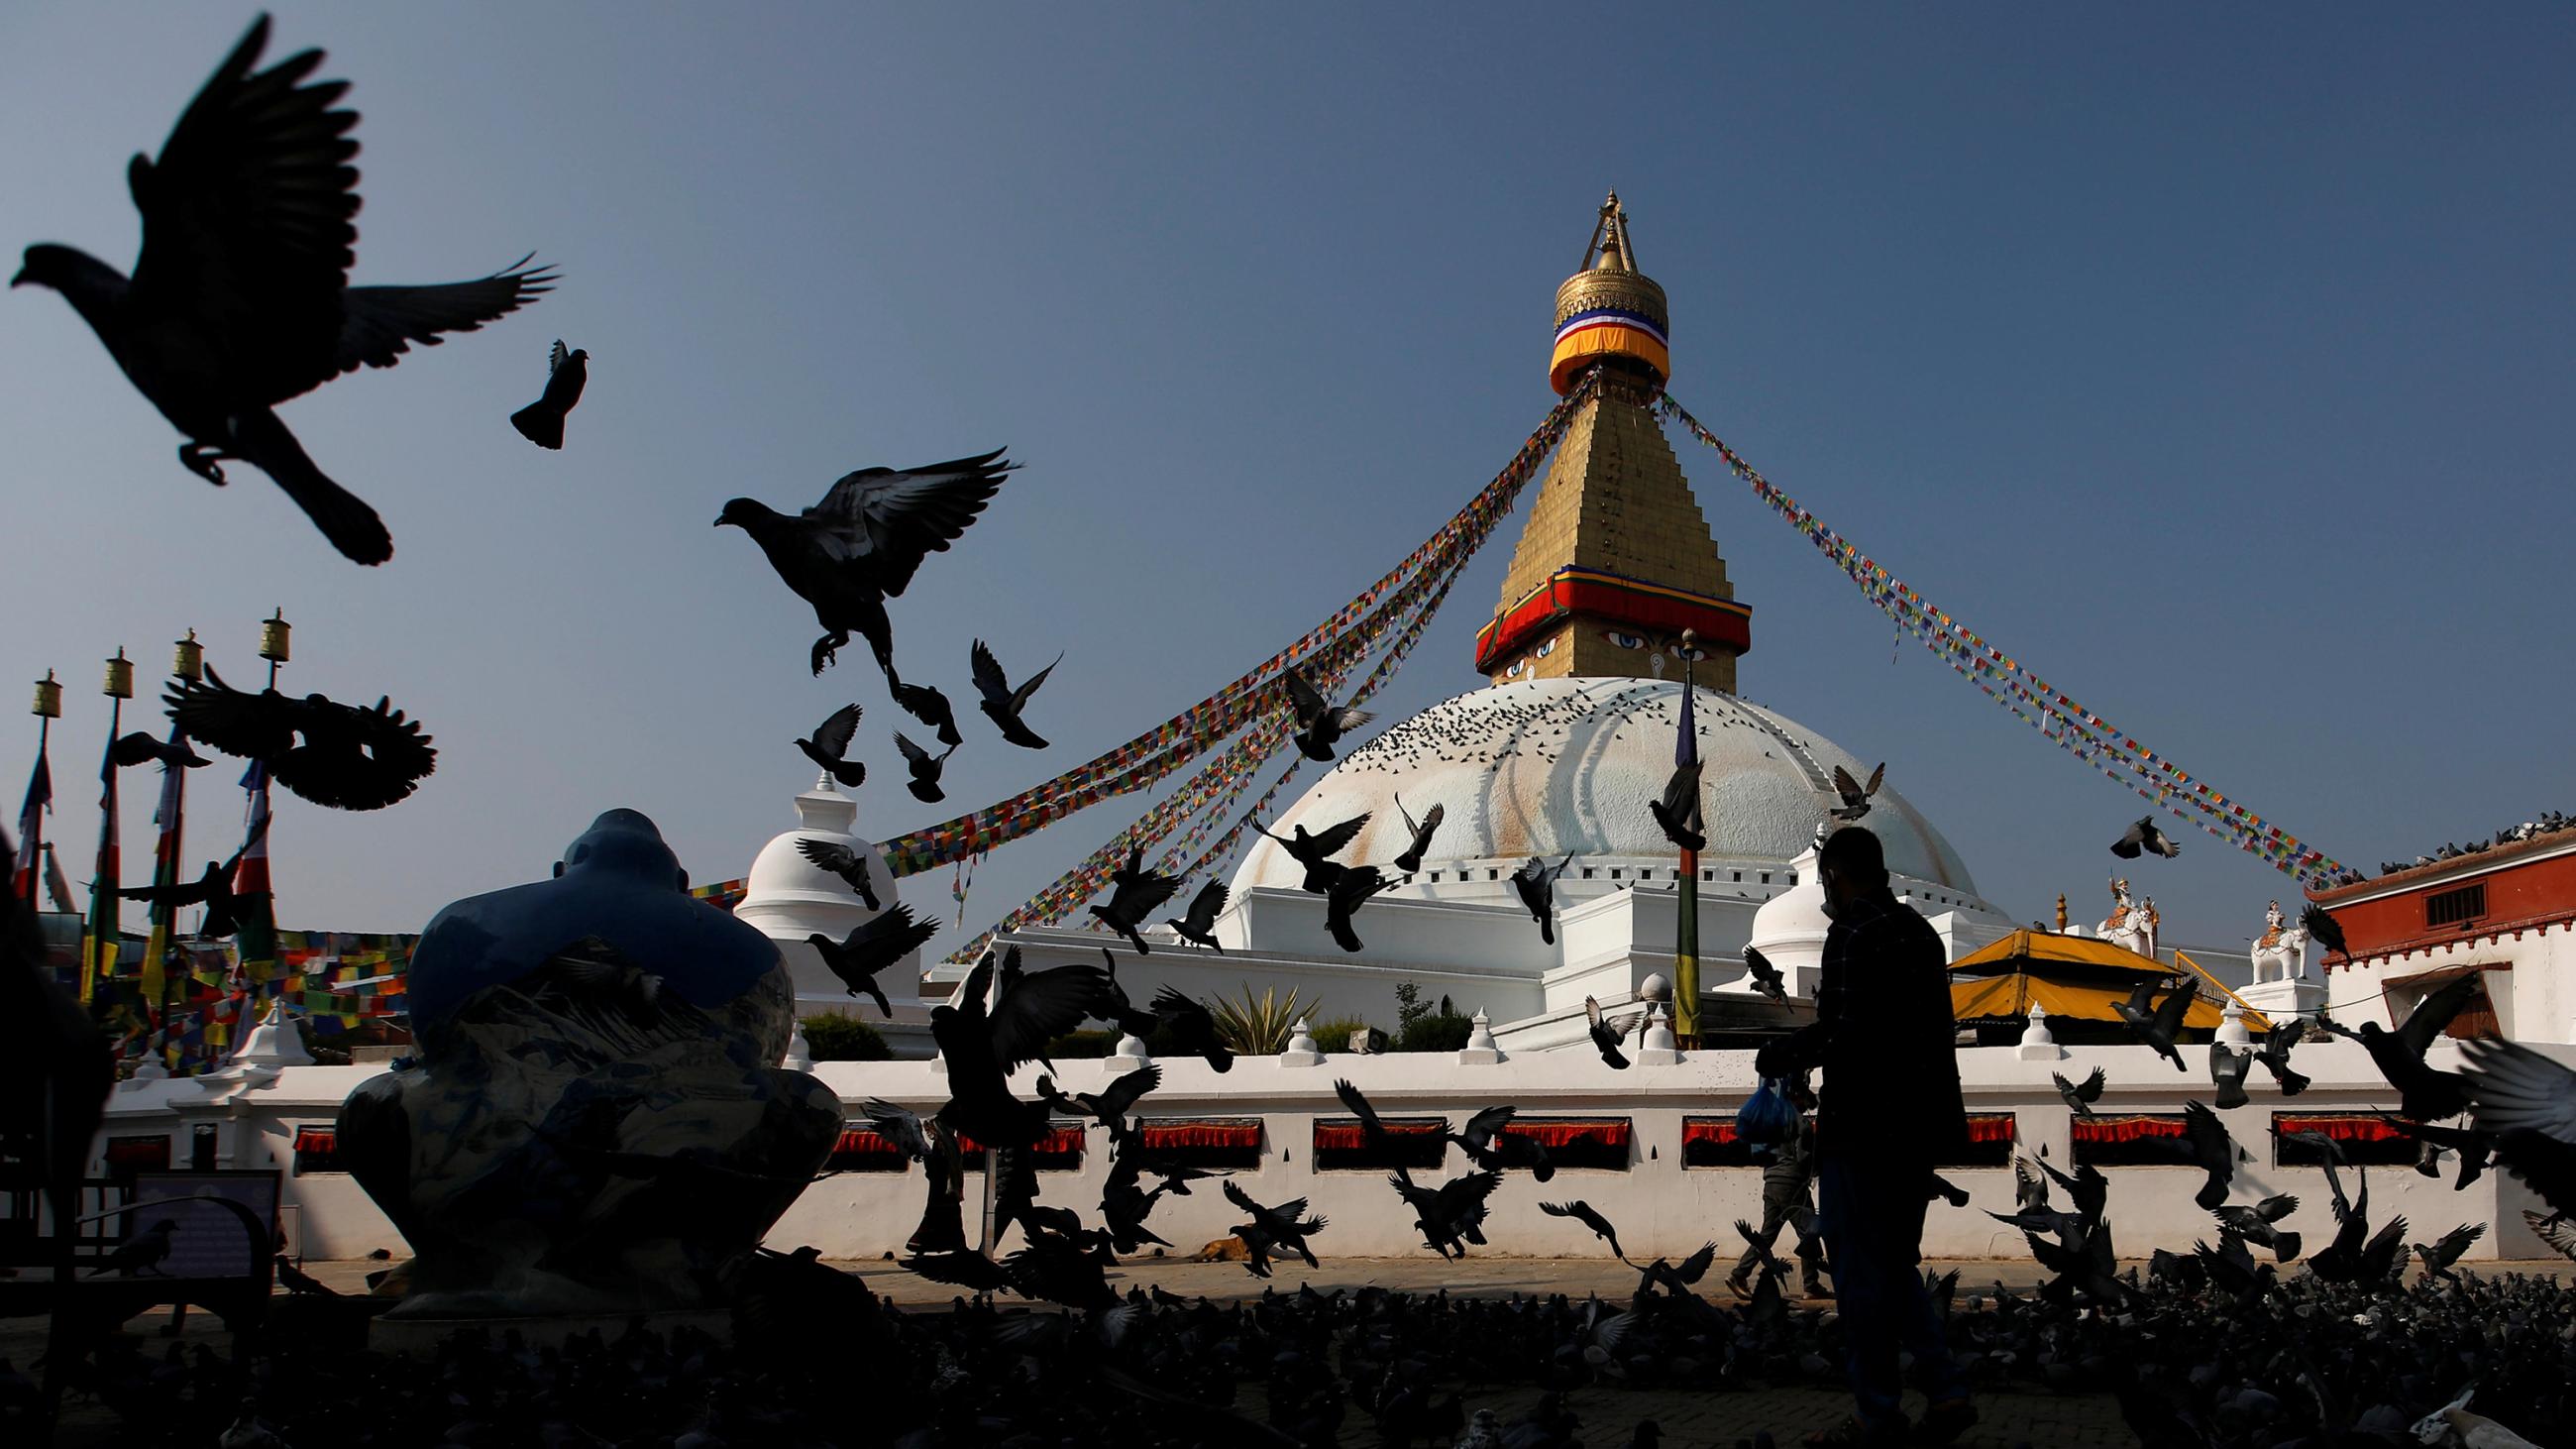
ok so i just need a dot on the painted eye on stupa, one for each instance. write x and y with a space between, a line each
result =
1623 639
1547 648
1691 652
1517 666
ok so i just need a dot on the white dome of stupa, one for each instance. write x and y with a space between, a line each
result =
1557 767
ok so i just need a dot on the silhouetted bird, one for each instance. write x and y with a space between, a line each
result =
2476 1149
1678 812
2158 1027
830 747
2256 1224
1002 703
1118 1010
1449 1216
924 767
1420 832
861 545
1535 884
542 422
1584 1213
929 706
1373 1129
2324 929
2438 1256
329 753
1607 1035
873 945
1487 1144
1320 723
213 890
1198 926
133 749
240 299
1285 1226
984 1044
1855 796
2079 1097
1765 976
1350 890
2556 1229
1315 852
2275 1054
2227 1069
2427 1094
2144 836
297 1282
1677 1281
1134 894
850 865
1192 1028
2529 1103
2205 1145
1108 1107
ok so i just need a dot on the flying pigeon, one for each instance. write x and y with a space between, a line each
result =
984 1044
240 299
830 747
1373 1130
1584 1213
1421 832
2256 1224
1678 812
2144 836
1002 704
2324 929
928 705
1488 1145
924 768
1856 796
2275 1054
2438 1257
862 543
2227 1069
1285 1226
1198 926
2158 1027
1319 722
1535 883
2476 1149
1110 1106
542 422
133 749
1350 890
2529 1102
1766 977
841 860
2079 1097
213 890
1315 852
875 944
332 754
1192 1027
1451 1215
2427 1094
1607 1035
1134 894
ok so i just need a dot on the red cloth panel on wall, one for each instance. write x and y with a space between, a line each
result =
147 1154
1347 1137
314 1139
1059 1142
866 1141
1236 1134
2125 1129
1990 1127
2341 1127
1707 1129
1607 1131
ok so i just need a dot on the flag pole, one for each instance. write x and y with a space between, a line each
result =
169 851
1686 925
40 793
99 957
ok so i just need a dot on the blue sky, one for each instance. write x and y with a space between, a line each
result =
2216 363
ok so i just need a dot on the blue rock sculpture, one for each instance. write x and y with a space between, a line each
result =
594 1121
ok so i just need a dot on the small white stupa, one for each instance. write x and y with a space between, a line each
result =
789 898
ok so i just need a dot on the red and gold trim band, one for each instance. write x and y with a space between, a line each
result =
1656 608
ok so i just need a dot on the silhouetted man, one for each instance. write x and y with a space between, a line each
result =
1891 1110
1787 1203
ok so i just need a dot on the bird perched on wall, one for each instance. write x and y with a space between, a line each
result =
1315 852
2427 1094
1320 723
1584 1213
1606 1035
1420 832
567 372
2157 1027
2143 837
1535 884
1855 795
830 746
841 860
1002 703
1198 926
2079 1098
332 754
2274 1054
213 890
1766 977
1678 812
2227 1069
2324 929
924 767
241 300
873 945
861 544
1134 894
928 705
1349 891
133 749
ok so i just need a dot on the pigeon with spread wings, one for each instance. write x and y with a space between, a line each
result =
924 767
841 860
1320 723
1351 890
1766 978
2144 837
2079 1096
1198 927
567 373
1855 795
926 704
1606 1035
830 747
1315 852
1420 832
983 1044
1002 704
332 754
861 544
1134 894
1678 812
2159 1025
1584 1213
873 945
241 300
2426 1094
1535 884
213 890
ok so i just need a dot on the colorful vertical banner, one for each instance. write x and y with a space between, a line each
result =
254 906
98 952
1686 917
31 830
166 852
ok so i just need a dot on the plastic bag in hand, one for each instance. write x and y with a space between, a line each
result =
1767 1116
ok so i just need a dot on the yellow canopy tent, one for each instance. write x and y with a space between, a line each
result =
2067 976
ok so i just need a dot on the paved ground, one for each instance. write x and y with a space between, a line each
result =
1688 1421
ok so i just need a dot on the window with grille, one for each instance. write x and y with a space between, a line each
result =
2451 908
1214 1144
2364 1139
1413 1143
1599 1143
2126 1141
317 1149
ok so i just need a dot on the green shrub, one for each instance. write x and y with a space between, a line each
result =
1335 1035
1436 1032
834 1037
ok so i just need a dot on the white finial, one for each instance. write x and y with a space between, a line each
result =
1481 1049
1301 1050
1131 1054
2231 1027
800 1052
2038 1044
1662 1048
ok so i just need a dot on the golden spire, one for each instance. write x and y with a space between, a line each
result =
1610 314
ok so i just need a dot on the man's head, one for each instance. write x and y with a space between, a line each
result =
1851 866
